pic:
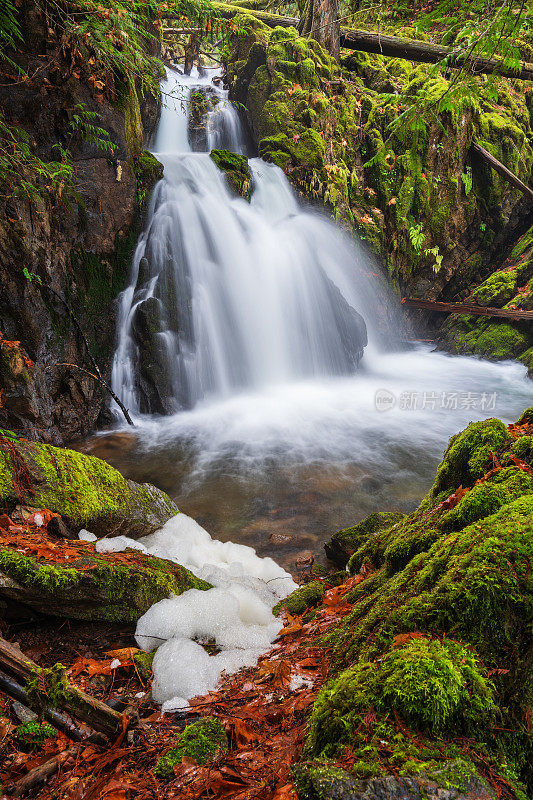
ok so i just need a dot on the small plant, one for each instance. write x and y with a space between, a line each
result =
417 237
33 734
84 122
466 177
434 251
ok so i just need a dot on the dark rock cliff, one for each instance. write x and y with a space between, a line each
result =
79 244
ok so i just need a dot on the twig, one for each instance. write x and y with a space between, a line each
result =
39 775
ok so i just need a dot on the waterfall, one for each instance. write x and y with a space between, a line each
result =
225 295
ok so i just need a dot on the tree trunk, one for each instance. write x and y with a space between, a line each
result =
320 20
192 51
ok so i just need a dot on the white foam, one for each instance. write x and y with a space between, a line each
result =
87 536
236 614
117 544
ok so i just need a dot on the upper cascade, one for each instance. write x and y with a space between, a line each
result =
225 295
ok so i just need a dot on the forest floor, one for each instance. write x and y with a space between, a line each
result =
264 709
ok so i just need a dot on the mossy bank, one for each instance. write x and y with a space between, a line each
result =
84 489
433 666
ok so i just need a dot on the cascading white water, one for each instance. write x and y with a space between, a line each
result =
242 312
227 295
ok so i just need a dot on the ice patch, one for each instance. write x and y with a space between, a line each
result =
235 615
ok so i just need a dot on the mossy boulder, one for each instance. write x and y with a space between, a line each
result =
201 741
85 489
236 169
92 586
343 543
324 780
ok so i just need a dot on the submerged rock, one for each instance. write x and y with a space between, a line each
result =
85 490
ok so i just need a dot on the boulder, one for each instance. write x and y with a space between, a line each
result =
84 489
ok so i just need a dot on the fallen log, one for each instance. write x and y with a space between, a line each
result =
16 692
96 714
393 46
502 170
464 308
39 775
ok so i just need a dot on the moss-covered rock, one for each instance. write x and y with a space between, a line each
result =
343 543
446 602
236 170
83 488
510 287
301 599
202 741
91 586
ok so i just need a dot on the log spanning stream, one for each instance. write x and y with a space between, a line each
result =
243 357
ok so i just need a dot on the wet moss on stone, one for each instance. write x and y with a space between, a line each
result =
301 599
236 170
202 741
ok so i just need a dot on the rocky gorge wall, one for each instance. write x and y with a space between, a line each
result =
78 243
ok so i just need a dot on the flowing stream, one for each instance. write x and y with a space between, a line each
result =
240 355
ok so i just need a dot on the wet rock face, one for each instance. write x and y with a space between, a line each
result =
81 246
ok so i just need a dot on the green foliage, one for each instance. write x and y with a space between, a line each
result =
301 599
23 174
467 179
202 741
417 237
33 734
84 122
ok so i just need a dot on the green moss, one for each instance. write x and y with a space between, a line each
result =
143 665
202 741
496 290
26 570
133 128
433 685
48 685
148 170
483 500
88 490
236 169
301 599
467 456
348 540
94 587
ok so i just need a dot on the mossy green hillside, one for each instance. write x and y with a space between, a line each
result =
202 741
510 287
84 488
437 651
410 195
